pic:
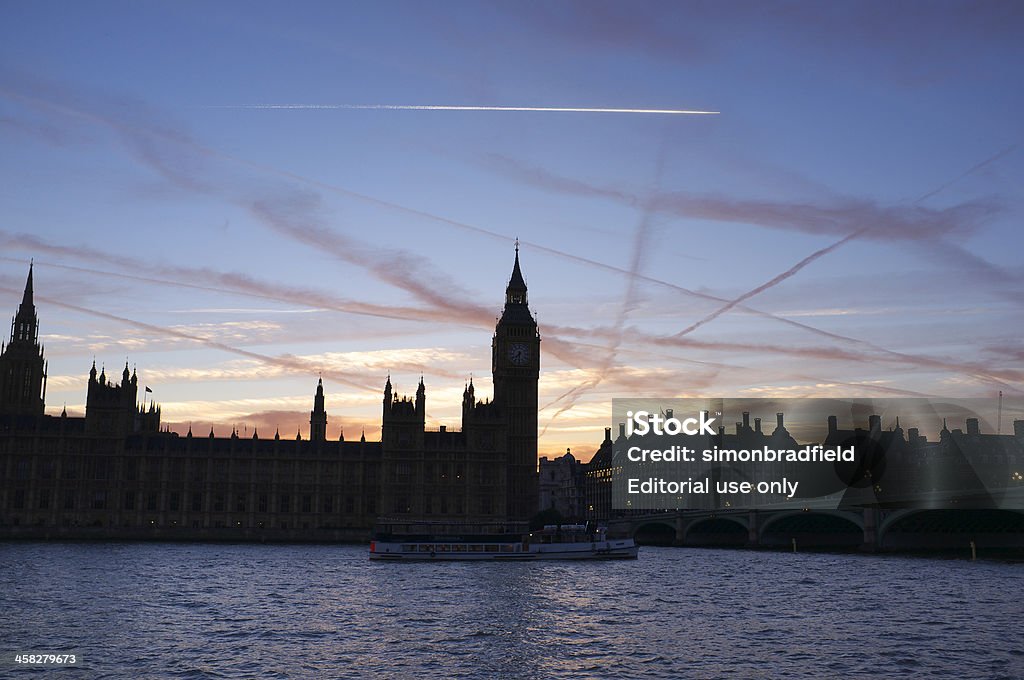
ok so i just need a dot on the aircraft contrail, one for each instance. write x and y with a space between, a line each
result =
442 107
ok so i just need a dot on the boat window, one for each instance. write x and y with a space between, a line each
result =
408 548
491 548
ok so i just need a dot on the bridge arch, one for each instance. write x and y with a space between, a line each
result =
851 517
813 528
723 530
655 532
945 529
712 519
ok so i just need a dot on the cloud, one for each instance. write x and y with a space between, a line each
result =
630 302
301 216
235 332
233 283
139 339
296 214
974 262
476 108
846 217
912 44
610 29
62 383
41 95
184 163
286 361
966 173
830 216
49 133
774 281
995 374
366 365
541 178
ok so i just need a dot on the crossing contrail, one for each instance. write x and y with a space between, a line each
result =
442 107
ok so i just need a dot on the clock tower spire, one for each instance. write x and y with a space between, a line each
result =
515 364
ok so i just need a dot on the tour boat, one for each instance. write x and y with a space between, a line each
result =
554 542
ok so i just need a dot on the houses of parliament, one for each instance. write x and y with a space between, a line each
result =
115 474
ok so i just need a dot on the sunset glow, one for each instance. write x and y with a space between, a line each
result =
848 225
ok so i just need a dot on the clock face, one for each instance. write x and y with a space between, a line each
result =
519 353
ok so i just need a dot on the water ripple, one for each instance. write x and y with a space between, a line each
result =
241 611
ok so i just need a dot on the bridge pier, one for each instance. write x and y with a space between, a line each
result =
680 530
870 530
753 530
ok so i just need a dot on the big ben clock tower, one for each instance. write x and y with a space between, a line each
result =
515 364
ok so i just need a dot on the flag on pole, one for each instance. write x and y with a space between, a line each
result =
149 390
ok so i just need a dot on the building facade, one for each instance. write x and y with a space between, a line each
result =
897 469
114 473
561 486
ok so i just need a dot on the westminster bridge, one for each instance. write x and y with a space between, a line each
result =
870 529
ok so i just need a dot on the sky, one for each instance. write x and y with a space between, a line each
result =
221 195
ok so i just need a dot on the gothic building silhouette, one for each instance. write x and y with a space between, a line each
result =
114 473
22 367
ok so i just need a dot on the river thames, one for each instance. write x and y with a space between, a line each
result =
239 611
